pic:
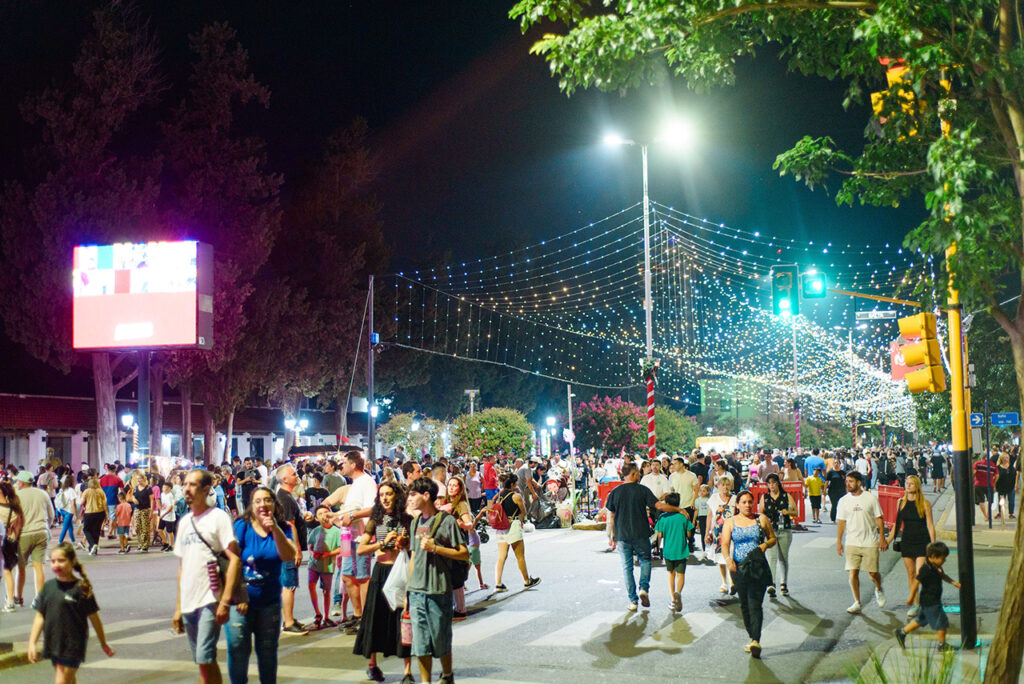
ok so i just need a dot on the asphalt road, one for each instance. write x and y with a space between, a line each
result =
573 628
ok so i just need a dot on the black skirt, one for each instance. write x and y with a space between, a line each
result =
380 630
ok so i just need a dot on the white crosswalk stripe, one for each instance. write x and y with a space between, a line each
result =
788 631
485 626
579 632
684 631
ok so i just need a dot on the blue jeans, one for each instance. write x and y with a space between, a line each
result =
68 528
261 624
640 548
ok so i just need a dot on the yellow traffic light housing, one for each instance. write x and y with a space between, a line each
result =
925 352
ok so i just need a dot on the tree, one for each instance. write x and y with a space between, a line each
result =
398 431
676 432
950 129
220 191
79 188
610 424
491 431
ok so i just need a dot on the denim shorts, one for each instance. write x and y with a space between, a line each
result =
123 530
356 566
66 662
431 616
324 578
111 510
933 616
289 575
203 632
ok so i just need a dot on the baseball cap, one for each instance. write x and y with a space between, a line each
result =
24 476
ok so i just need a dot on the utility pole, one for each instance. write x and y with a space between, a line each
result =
371 433
796 391
572 441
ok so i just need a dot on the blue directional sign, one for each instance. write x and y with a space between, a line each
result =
977 420
1004 419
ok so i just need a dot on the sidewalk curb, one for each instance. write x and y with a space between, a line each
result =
17 657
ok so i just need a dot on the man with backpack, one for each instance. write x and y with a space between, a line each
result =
436 545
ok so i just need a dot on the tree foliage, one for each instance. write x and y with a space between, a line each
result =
491 431
951 129
398 431
676 431
610 424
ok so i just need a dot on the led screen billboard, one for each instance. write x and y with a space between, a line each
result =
140 295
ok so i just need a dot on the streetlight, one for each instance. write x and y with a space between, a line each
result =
128 422
676 133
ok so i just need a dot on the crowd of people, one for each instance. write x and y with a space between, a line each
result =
242 531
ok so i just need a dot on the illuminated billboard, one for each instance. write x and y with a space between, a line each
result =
139 295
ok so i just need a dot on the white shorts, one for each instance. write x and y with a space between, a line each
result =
513 534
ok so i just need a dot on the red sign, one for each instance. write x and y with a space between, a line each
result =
899 366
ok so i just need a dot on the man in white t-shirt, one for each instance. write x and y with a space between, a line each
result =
863 466
198 610
359 500
656 481
860 517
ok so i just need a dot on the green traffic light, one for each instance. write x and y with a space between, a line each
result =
812 285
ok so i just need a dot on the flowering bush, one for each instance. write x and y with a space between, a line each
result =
610 424
491 431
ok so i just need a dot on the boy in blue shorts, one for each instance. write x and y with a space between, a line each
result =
930 578
674 529
324 545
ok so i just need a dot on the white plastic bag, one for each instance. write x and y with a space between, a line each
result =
398 580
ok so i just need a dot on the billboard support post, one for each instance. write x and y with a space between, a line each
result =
143 409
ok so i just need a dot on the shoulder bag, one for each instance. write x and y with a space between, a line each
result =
497 517
218 571
754 568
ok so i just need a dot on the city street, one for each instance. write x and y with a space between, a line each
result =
573 628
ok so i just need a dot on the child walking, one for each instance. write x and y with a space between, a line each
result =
473 541
674 529
930 578
62 607
324 543
123 513
700 505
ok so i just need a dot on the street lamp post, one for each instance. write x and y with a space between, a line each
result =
677 133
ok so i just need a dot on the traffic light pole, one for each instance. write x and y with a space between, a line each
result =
962 463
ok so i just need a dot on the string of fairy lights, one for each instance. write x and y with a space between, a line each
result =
571 308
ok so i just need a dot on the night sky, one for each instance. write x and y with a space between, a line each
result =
479 150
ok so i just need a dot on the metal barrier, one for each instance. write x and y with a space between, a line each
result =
795 489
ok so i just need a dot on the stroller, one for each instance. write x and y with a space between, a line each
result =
481 530
554 506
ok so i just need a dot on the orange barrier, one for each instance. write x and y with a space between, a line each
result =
795 489
889 500
605 488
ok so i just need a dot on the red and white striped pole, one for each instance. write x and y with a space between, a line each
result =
651 437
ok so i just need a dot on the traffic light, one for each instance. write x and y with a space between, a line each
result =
785 296
812 285
924 352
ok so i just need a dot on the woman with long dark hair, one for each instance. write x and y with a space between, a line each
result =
263 546
742 534
384 536
12 518
515 509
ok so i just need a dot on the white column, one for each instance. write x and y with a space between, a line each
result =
79 450
36 450
243 446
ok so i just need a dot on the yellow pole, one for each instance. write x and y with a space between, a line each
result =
956 360
967 392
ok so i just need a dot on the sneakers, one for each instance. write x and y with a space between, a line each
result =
295 629
374 674
771 591
328 622
746 649
913 610
446 679
336 612
901 637
784 590
677 602
631 607
94 549
855 608
121 552
500 588
9 607
880 598
942 647
645 600
534 581
755 649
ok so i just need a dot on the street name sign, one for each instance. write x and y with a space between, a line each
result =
875 315
1004 419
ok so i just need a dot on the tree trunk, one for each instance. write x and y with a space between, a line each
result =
106 408
342 421
209 437
290 407
228 453
156 418
1004 656
185 450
